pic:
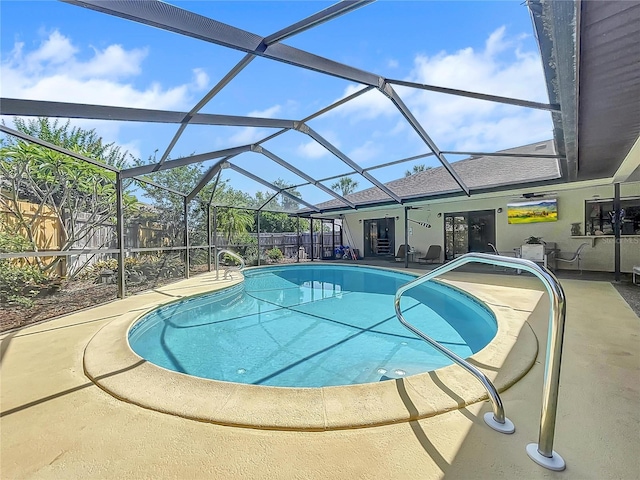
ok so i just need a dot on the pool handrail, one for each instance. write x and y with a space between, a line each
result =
542 452
233 254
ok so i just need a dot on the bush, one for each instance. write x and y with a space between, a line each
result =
137 269
275 254
20 283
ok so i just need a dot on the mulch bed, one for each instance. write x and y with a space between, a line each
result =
72 296
630 293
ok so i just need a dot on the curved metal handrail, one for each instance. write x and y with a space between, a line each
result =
544 454
233 254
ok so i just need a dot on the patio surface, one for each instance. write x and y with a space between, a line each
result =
56 423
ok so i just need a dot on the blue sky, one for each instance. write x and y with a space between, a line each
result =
54 51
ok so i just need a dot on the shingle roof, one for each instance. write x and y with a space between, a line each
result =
477 172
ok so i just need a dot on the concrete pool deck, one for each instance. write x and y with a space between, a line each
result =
56 423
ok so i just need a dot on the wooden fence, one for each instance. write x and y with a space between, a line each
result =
48 234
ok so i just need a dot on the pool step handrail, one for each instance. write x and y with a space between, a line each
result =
542 453
231 253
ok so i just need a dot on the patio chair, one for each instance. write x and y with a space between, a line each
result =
402 250
433 254
577 257
495 251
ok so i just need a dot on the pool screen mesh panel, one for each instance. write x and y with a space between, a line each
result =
174 19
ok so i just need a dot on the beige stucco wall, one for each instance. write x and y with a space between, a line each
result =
571 205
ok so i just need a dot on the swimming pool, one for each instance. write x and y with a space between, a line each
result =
312 326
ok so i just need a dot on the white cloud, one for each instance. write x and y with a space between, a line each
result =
270 112
501 68
246 136
55 50
393 63
364 153
312 149
57 70
249 135
201 79
496 42
54 71
367 106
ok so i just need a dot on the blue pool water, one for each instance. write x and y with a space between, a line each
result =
312 326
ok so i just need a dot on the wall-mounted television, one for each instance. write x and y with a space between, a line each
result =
533 211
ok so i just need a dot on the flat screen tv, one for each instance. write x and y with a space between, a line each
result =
533 211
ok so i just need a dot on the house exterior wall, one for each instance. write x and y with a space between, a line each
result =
571 209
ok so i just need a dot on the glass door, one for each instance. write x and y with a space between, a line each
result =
456 235
379 236
468 232
482 230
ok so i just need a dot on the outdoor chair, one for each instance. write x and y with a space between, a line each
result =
433 254
577 257
402 250
495 251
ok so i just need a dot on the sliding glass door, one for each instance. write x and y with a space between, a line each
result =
468 232
379 236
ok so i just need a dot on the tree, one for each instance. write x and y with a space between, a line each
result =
417 169
234 222
170 206
80 196
273 216
345 185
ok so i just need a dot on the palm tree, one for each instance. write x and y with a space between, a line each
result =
346 185
234 221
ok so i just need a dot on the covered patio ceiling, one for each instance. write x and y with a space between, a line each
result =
577 113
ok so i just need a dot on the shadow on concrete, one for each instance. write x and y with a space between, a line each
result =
64 326
4 344
70 390
596 404
417 429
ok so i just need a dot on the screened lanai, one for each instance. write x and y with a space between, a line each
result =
348 128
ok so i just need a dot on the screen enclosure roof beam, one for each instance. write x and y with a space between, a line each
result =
180 162
184 22
189 117
478 96
41 108
316 19
388 90
301 174
51 146
311 21
326 144
169 17
216 168
255 178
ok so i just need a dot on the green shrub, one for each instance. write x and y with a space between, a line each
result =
137 269
12 241
275 254
20 283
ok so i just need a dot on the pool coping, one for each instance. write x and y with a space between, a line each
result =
111 364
